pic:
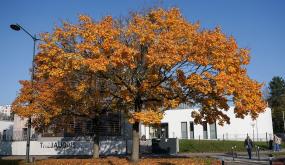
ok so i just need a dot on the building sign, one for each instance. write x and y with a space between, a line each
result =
58 144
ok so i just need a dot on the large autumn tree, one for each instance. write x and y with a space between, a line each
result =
153 62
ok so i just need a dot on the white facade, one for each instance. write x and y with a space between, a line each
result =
260 129
20 128
6 130
6 124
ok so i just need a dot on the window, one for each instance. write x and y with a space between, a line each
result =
184 134
25 133
164 130
205 130
159 132
213 131
4 135
191 130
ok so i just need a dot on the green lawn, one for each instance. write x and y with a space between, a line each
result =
278 154
214 145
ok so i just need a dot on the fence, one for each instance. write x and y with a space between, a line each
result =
241 137
17 136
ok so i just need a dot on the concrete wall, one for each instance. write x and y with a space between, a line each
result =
236 130
58 147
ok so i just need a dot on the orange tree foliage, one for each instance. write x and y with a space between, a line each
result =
151 62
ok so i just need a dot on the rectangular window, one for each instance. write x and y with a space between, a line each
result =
24 133
164 130
213 131
205 130
191 130
4 135
184 134
160 131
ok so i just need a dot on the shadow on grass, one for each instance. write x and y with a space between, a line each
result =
11 162
165 163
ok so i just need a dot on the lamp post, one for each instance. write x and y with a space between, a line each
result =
18 27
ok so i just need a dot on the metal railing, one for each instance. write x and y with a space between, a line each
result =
241 137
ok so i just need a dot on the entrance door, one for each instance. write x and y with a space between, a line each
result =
164 130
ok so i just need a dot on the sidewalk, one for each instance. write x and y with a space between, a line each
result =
240 157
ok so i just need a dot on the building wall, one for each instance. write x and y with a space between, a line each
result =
239 128
6 123
19 124
236 130
62 147
8 126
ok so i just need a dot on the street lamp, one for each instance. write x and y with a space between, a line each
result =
17 27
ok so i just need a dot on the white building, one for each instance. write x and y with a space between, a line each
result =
179 124
20 129
6 123
175 124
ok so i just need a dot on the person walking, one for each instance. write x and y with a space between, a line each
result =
248 145
275 143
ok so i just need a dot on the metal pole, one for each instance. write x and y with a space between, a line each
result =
258 153
266 139
256 131
30 119
253 132
283 121
233 153
270 160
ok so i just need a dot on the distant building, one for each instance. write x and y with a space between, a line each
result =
6 123
5 110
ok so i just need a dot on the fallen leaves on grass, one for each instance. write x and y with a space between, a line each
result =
124 161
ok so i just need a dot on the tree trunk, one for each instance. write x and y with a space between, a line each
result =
96 136
95 147
136 142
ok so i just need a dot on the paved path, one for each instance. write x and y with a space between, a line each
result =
240 158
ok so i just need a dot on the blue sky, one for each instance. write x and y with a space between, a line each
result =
256 24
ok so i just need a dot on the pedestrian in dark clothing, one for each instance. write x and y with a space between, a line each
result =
248 145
